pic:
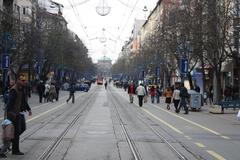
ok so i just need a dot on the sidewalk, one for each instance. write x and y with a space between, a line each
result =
229 115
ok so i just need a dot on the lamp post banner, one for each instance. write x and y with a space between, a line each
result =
5 61
184 65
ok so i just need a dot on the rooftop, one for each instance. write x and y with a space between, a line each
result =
104 58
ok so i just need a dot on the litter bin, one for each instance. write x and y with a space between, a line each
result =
195 100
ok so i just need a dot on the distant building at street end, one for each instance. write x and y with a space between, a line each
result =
104 66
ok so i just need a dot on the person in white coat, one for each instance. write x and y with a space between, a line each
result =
141 92
176 97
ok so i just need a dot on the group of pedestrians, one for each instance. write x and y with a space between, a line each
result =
48 91
178 95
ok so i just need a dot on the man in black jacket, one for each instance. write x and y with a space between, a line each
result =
71 93
184 97
17 102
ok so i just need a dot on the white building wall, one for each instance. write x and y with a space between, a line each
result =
50 6
24 9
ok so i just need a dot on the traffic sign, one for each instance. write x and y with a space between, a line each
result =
5 61
184 65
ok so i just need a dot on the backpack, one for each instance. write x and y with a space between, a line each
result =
184 93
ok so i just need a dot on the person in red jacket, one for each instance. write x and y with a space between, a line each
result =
131 91
152 93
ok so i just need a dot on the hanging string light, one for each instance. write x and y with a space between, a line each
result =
103 9
103 38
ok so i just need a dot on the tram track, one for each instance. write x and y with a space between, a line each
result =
116 102
51 148
63 111
128 137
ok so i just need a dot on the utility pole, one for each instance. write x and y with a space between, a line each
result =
236 56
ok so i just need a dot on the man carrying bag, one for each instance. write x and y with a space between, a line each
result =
16 104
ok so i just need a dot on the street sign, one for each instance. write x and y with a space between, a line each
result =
157 71
184 65
5 61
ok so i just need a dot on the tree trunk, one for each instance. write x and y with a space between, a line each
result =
216 86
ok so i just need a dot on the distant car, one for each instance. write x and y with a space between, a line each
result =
82 87
88 83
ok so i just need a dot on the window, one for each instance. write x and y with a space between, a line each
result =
24 10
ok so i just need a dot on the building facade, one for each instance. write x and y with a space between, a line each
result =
104 66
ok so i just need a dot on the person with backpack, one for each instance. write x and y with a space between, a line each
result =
184 98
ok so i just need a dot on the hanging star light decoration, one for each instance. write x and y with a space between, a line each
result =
103 9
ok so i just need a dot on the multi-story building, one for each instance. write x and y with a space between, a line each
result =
136 38
50 15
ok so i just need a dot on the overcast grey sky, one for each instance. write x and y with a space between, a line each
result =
115 27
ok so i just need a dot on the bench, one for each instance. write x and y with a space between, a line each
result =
229 104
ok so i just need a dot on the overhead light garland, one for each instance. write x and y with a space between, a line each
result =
103 38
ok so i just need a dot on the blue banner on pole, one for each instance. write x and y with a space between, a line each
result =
184 65
157 71
5 61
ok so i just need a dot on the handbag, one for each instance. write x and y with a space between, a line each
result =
238 115
22 123
7 130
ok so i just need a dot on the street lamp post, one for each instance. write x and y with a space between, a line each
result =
183 49
7 43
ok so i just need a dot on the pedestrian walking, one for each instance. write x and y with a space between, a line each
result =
57 87
52 92
158 94
16 104
46 92
184 96
131 92
176 97
168 94
125 86
105 84
152 93
40 89
141 92
71 93
145 98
